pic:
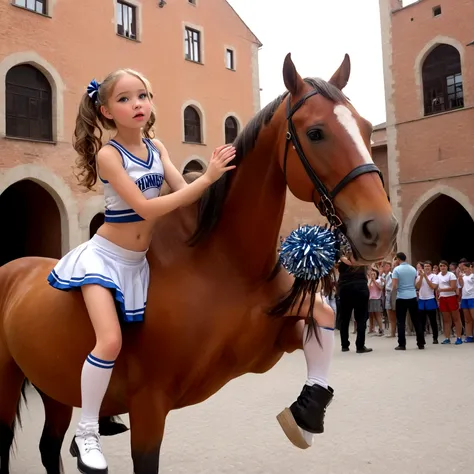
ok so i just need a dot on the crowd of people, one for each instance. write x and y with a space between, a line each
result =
399 299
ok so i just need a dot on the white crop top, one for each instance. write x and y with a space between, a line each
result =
148 176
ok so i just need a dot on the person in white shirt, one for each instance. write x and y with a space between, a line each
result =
389 300
466 282
448 303
426 284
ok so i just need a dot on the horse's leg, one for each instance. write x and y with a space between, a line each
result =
56 423
11 380
147 425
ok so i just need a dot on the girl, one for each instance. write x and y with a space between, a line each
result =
448 303
111 269
375 299
466 282
389 303
427 284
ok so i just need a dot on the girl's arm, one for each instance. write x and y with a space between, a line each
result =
111 170
173 177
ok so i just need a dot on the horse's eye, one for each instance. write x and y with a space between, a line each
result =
316 135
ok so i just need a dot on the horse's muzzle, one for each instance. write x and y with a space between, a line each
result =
372 237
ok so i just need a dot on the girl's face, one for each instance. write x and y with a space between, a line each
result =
419 266
435 269
427 268
129 104
443 268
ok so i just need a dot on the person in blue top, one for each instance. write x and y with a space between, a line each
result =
403 282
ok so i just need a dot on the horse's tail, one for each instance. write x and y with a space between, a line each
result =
17 420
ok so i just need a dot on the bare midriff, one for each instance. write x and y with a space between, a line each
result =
134 236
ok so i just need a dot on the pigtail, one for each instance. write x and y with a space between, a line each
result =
148 128
86 142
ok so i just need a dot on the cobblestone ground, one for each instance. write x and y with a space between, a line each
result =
394 412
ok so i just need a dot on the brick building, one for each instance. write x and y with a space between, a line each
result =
200 57
427 144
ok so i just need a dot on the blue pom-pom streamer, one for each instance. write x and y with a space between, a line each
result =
309 252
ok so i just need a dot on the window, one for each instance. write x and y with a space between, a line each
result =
437 11
28 104
126 20
231 130
229 59
192 125
38 6
442 80
192 42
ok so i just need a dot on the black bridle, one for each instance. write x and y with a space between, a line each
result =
325 205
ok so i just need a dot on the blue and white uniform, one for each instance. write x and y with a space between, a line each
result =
99 261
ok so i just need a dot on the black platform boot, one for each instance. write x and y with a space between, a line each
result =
307 414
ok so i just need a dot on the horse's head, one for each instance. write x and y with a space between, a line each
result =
326 159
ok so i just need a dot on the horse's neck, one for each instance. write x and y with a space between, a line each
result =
253 210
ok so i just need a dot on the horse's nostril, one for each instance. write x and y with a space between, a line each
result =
369 230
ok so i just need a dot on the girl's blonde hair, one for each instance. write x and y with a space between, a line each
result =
90 122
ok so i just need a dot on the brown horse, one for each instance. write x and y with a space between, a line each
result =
214 277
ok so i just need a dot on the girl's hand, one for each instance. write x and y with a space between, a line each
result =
221 157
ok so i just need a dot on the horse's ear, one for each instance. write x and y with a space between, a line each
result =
341 77
292 79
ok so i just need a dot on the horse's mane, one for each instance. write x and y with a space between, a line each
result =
211 203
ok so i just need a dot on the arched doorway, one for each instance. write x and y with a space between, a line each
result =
443 230
33 222
96 222
193 166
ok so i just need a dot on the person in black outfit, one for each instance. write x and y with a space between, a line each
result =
353 295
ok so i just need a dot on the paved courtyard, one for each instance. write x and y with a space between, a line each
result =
394 412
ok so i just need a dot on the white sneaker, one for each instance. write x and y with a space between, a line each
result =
87 449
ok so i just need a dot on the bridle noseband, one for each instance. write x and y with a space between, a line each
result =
325 205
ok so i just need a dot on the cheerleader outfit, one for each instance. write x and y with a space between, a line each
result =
99 261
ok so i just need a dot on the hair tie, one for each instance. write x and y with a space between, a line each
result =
93 89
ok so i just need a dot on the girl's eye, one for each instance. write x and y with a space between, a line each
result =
122 99
143 95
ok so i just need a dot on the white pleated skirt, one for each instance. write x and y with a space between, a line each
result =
98 261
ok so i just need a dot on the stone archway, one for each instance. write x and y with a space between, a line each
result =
32 222
442 231
59 191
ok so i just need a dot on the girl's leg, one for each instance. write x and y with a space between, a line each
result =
392 317
95 377
378 317
446 326
371 323
457 323
305 416
468 313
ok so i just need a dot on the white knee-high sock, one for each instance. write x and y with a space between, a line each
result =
95 379
318 359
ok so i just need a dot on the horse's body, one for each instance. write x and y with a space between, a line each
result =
207 316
